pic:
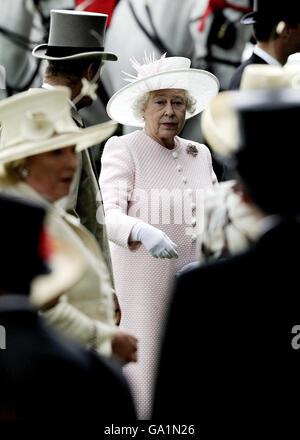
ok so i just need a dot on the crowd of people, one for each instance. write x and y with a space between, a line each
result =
134 274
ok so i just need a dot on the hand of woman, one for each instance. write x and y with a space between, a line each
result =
155 241
124 346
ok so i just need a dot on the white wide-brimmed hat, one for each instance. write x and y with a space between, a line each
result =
219 123
66 268
165 73
75 35
39 120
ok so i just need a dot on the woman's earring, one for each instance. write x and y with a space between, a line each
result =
24 172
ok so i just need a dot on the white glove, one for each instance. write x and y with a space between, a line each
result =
155 241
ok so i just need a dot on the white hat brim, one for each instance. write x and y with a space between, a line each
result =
81 137
40 52
202 85
67 267
219 124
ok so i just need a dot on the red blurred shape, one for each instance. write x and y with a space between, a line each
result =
102 6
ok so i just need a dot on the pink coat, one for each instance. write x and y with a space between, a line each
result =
142 180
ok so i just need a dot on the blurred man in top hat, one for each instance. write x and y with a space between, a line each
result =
276 28
75 53
231 225
241 316
43 376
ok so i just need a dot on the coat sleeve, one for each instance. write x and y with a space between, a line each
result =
74 315
117 183
93 334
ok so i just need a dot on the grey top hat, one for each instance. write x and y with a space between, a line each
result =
75 35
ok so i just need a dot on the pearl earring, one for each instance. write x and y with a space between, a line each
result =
25 172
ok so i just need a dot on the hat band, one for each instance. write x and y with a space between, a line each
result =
64 51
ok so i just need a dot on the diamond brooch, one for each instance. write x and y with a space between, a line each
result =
192 149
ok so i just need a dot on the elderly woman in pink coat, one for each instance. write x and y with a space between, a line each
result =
153 184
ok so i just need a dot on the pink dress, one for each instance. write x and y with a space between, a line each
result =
142 180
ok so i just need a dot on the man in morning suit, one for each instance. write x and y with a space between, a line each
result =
75 53
276 28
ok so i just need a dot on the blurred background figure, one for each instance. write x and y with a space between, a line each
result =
43 376
38 156
151 180
276 28
237 325
230 224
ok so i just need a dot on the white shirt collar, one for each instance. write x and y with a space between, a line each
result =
51 87
266 56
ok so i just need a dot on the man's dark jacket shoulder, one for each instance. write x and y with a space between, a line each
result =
237 76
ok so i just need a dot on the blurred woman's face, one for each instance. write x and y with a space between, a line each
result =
51 173
164 115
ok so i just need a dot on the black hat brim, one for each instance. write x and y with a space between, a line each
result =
40 52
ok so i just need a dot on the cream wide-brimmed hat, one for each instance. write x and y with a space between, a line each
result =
219 122
165 73
39 120
75 35
66 268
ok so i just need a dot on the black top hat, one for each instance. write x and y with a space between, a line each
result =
269 153
265 11
75 35
21 225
